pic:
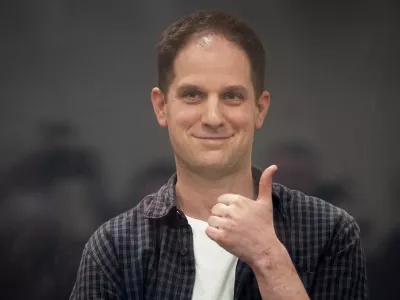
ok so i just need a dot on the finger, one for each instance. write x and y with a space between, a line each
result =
227 199
220 210
213 233
265 187
216 222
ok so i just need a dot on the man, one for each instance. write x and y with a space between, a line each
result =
220 229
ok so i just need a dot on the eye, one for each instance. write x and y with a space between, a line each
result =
192 95
233 96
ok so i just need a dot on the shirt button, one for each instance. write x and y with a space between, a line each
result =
183 251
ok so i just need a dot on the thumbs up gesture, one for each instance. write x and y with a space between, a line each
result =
245 227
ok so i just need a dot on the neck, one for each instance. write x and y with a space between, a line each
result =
197 192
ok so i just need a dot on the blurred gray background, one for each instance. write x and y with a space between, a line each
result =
79 142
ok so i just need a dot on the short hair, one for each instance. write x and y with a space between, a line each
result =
178 34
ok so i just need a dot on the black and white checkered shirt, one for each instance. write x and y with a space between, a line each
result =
147 252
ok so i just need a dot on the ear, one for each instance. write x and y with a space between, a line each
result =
262 108
158 100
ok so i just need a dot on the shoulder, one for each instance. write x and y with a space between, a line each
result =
315 217
298 205
112 238
316 232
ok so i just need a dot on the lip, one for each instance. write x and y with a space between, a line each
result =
212 137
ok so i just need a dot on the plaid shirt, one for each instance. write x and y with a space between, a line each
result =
147 252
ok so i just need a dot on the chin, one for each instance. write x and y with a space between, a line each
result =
213 162
212 157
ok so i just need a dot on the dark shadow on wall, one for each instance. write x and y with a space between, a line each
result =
147 181
51 202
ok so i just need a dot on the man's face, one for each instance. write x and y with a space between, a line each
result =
211 110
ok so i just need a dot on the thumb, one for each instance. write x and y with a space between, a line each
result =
265 187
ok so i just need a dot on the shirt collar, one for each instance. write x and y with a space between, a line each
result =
164 200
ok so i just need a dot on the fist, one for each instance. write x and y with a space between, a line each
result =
243 226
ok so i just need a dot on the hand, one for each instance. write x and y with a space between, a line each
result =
244 227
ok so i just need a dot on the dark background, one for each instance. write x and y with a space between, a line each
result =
79 142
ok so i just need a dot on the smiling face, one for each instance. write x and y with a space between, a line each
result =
211 109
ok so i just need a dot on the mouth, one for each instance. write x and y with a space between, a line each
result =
212 138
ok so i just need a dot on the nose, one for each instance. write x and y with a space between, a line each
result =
212 116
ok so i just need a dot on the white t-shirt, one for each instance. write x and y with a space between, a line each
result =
215 267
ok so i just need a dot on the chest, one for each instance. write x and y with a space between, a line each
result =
166 268
215 267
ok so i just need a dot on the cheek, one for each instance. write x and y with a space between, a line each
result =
183 117
242 119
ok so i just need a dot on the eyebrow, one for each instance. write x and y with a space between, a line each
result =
187 86
236 88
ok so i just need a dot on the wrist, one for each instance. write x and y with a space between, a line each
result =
275 257
276 275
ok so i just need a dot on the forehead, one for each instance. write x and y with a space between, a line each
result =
212 60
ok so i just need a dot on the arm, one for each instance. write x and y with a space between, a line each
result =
277 277
341 272
96 280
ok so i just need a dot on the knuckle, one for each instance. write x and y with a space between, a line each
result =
222 198
237 200
229 225
225 235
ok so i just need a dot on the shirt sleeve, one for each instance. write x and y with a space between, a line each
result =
341 271
96 280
